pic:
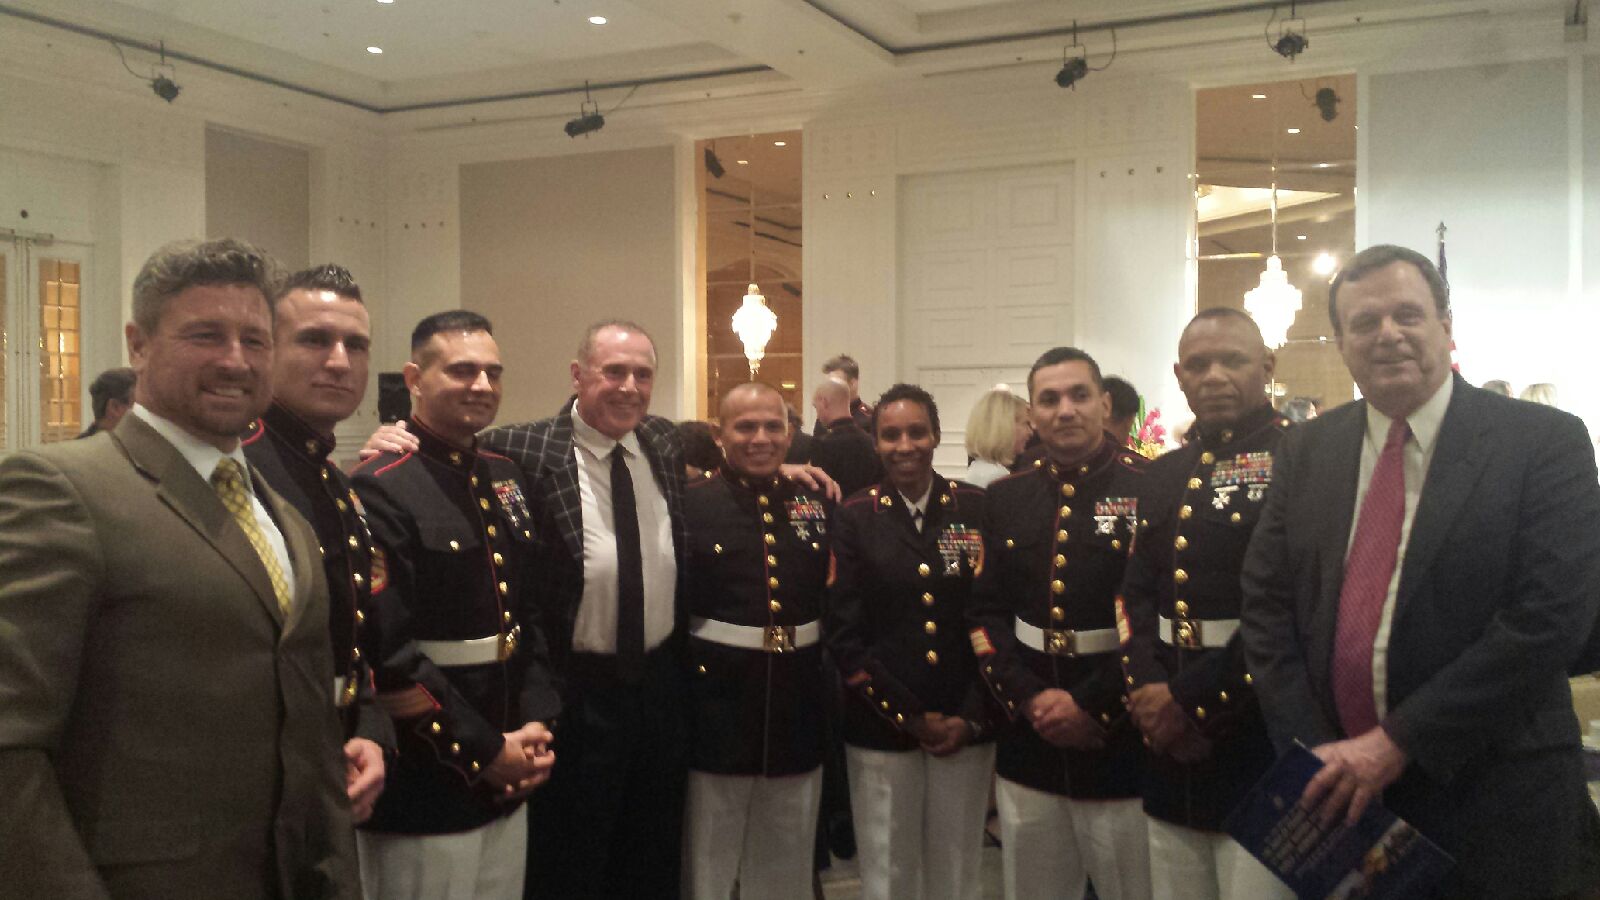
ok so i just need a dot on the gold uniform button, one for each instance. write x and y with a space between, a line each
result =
930 627
527 535
1130 679
1180 576
815 545
1057 614
1105 718
1116 543
1126 660
772 583
1068 490
899 718
1185 511
355 654
499 560
702 669
341 504
763 500
1227 436
775 606
883 704
455 749
506 616
1010 543
1248 679
1200 713
766 518
321 551
357 579
361 617
491 530
871 692
1182 543
1061 560
1066 512
1181 608
933 658
1235 518
885 501
1058 587
455 457
716 548
436 727
474 480
476 767
351 540
927 599
325 475
455 546
1012 704
504 589
923 570
1061 536
483 503
1223 696
772 560
1207 458
770 539
1194 484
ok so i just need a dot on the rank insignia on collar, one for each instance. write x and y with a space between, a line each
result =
512 503
956 542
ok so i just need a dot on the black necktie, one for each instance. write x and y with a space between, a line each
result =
916 520
630 569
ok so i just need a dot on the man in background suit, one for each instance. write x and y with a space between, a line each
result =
1426 568
110 398
843 449
165 723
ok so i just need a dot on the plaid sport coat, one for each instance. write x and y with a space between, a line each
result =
545 451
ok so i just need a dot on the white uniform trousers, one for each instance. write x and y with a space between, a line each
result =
751 830
1050 845
919 821
1190 864
486 863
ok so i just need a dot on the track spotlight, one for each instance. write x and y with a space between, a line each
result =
713 165
1075 61
1327 103
160 81
589 118
1291 40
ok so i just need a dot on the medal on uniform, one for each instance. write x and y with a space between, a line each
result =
958 542
806 514
512 503
1224 496
1107 511
1255 492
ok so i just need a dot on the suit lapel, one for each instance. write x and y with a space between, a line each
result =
1455 468
560 454
1340 472
180 487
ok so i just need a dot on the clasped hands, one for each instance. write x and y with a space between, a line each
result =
524 762
1058 718
1166 728
939 734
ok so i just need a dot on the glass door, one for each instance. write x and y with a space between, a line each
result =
41 331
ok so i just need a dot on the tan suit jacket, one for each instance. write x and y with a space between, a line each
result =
164 732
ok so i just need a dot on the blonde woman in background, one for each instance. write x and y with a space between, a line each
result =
1543 393
997 431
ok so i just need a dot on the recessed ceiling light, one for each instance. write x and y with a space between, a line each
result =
386 2
780 143
1324 264
597 20
1324 165
1299 237
742 162
375 51
1293 130
1252 96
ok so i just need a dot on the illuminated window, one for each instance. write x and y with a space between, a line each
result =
60 384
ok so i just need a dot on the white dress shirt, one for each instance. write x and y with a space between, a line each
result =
595 630
1418 455
204 458
918 508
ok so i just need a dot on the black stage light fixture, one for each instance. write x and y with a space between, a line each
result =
1327 103
165 88
161 80
714 165
1292 40
589 119
1075 61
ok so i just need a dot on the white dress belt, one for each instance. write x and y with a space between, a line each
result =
1066 642
1197 634
774 639
475 652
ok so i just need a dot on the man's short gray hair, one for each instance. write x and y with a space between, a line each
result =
181 265
586 346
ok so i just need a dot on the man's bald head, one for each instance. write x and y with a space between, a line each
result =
831 400
755 430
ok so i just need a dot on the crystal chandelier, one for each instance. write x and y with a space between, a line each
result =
754 322
1274 302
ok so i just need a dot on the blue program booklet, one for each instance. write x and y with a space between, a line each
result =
1379 857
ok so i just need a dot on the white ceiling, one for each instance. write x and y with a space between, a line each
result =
453 50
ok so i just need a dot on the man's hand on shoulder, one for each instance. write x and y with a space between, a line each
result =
812 478
1354 773
392 438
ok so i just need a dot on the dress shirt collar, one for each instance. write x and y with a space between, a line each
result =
1424 422
920 505
598 445
203 456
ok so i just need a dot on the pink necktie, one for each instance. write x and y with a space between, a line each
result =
1367 572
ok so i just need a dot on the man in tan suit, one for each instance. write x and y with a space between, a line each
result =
166 727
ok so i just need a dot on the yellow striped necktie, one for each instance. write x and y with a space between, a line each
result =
228 480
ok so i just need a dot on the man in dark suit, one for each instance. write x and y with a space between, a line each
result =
110 397
166 729
1426 568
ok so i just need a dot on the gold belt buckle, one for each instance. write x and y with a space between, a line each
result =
778 639
1186 634
1060 642
509 641
347 696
